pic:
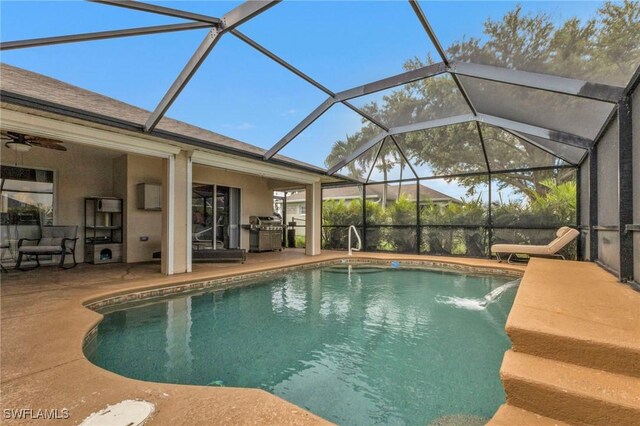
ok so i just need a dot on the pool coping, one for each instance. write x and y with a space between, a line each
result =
100 302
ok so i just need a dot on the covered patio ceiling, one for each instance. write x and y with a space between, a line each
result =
482 104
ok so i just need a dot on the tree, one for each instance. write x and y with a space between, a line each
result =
603 49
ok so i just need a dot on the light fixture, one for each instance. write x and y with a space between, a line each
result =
18 146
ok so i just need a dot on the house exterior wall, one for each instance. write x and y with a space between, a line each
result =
129 171
79 172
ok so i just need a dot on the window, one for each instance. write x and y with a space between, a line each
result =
26 196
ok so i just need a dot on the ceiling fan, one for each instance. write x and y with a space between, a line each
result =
23 143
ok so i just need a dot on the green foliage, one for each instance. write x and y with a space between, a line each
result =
339 212
453 240
558 203
555 206
471 212
300 241
377 214
403 211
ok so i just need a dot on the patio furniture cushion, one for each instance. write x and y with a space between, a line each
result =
520 249
569 235
53 235
41 249
563 230
564 236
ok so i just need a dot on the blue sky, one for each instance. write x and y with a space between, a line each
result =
239 92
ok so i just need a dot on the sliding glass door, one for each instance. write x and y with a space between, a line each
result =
216 217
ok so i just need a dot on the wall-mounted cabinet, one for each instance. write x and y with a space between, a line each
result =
103 230
149 196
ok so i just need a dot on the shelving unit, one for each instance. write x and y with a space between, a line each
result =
103 230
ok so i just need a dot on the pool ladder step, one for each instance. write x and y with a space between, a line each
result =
570 393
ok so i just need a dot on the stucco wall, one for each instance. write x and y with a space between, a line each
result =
79 172
129 171
256 193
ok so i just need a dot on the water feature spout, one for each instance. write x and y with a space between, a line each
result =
472 304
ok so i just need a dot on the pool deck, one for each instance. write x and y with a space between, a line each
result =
575 355
44 322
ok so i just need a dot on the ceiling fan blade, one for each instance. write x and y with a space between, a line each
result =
9 136
54 146
46 143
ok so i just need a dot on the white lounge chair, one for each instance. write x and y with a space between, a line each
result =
564 236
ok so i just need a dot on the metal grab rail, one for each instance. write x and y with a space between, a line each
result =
358 237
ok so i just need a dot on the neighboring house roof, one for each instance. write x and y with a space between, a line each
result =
375 191
26 83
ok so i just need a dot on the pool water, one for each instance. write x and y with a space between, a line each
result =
373 346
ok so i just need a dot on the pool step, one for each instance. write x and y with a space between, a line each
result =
607 356
508 415
568 392
580 316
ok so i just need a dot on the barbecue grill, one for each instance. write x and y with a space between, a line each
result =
265 233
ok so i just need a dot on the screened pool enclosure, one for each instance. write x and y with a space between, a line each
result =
445 126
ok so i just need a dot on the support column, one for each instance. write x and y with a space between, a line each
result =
625 188
313 224
174 206
168 219
593 204
189 212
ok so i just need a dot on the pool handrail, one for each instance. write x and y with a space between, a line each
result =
359 240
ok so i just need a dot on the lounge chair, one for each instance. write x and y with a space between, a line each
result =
564 236
54 240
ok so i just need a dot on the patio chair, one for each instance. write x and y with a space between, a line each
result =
54 240
564 236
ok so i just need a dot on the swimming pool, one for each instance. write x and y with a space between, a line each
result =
361 345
